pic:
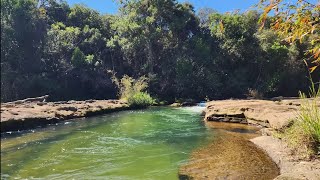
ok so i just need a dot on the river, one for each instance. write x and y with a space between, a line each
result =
142 144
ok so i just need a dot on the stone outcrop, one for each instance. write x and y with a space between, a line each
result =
289 167
271 115
19 115
274 114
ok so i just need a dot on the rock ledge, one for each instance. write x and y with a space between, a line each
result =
21 115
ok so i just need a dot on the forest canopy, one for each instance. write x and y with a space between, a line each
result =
49 47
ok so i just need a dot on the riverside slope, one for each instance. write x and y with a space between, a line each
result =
21 115
272 115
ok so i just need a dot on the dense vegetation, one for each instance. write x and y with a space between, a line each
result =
48 47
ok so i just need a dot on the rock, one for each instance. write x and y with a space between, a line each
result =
32 114
67 108
175 105
89 101
266 131
41 103
188 104
60 102
289 167
265 113
279 98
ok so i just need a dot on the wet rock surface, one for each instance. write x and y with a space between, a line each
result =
20 115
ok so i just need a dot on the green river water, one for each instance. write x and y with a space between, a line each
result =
142 144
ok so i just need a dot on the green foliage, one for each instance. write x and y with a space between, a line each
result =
296 22
131 90
89 59
140 100
57 48
78 59
81 16
129 86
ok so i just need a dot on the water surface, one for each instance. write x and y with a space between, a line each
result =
144 144
155 143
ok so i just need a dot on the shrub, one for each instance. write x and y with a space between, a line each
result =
132 91
129 86
140 100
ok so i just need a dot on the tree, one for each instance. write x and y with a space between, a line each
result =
81 16
78 59
23 28
296 21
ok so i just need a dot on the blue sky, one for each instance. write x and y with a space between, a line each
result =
111 7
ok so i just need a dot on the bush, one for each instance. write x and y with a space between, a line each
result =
140 99
132 91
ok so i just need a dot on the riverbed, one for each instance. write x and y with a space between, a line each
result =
143 144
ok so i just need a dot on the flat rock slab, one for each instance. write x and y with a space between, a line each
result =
274 114
289 168
19 116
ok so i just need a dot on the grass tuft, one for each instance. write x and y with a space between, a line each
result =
303 136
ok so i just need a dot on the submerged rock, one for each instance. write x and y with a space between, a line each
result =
230 156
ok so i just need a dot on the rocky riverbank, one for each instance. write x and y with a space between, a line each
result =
26 114
271 116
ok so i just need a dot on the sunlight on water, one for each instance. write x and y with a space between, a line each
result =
144 144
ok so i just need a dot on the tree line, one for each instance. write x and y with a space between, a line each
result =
48 47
